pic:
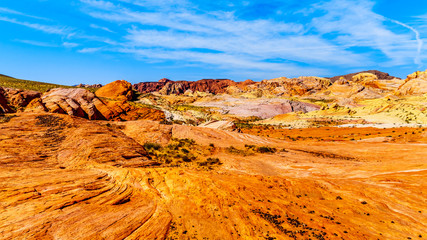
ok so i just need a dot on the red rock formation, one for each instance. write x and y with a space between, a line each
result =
118 90
165 86
147 87
82 103
4 107
19 99
164 80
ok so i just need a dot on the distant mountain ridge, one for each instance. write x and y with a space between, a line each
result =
166 86
217 86
379 74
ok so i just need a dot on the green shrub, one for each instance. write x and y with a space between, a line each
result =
265 149
152 146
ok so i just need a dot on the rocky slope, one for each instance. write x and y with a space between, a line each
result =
84 179
261 108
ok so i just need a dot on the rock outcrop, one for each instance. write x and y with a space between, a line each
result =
18 98
4 107
282 86
72 101
120 90
415 84
261 108
83 103
81 85
363 85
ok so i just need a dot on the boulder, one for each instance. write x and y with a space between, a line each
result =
72 101
36 105
120 90
19 99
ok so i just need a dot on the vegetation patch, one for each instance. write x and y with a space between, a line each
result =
250 150
4 118
16 83
56 126
182 152
296 230
327 155
50 121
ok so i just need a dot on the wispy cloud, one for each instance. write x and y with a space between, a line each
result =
14 12
37 43
94 26
41 27
220 38
70 44
417 59
356 24
89 50
326 35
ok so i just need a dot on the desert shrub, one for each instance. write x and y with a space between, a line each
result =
4 118
152 146
181 152
250 150
210 162
266 149
51 121
236 151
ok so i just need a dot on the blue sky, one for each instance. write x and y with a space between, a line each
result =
99 41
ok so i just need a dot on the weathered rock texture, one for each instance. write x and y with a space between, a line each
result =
4 107
19 99
262 108
63 177
415 84
83 103
118 90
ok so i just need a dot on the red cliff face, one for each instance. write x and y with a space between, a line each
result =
166 86
147 87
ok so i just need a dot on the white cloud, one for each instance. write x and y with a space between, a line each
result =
40 27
